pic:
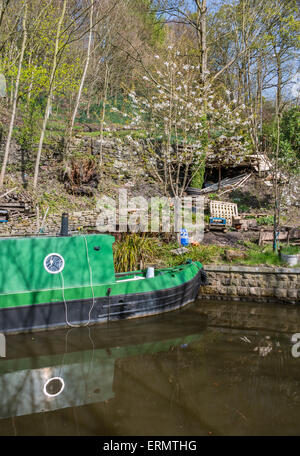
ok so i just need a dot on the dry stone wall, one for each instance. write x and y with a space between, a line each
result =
257 283
79 221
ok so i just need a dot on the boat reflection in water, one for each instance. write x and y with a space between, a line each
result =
214 368
41 382
78 380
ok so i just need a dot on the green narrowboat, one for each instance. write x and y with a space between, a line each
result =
70 281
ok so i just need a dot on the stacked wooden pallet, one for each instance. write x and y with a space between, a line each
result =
224 210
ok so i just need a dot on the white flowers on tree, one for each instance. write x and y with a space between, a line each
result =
184 122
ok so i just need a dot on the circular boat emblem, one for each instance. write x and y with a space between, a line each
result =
54 263
54 386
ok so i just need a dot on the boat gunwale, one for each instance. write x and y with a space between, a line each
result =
42 290
101 297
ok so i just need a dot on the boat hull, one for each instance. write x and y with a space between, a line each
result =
51 315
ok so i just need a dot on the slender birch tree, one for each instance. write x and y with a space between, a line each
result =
83 77
50 92
15 95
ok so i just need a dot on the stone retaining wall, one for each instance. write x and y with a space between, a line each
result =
121 163
120 156
256 283
27 226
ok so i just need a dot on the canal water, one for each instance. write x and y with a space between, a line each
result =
213 368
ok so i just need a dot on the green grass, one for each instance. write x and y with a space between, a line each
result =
265 256
256 255
290 250
135 134
55 201
122 103
203 253
56 125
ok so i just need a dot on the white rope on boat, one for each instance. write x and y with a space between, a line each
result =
72 325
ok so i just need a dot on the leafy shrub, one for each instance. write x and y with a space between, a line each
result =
267 220
213 196
243 208
199 167
28 134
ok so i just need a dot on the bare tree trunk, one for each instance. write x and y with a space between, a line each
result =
201 36
203 40
30 84
259 94
82 79
11 95
15 98
258 110
244 58
103 111
49 97
202 43
276 184
4 6
239 86
88 116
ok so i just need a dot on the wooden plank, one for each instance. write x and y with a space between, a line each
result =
8 192
227 182
252 214
15 206
267 236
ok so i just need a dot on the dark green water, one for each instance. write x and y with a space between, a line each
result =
214 368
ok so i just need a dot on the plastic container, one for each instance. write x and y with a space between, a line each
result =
150 273
184 237
292 260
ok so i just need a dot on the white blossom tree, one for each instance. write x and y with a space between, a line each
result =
179 124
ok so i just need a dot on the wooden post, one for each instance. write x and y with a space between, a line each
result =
220 176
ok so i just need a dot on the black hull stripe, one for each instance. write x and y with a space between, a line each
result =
53 315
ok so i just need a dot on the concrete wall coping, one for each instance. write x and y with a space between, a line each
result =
251 269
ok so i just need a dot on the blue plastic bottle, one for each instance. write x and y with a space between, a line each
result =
184 237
